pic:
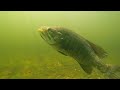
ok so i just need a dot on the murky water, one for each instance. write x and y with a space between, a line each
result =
24 54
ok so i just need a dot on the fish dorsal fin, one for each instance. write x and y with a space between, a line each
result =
100 52
87 68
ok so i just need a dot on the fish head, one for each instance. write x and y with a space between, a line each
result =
51 35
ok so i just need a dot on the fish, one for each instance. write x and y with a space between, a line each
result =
86 53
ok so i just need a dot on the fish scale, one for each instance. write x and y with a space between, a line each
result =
72 46
86 53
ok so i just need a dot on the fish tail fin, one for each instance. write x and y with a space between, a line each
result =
113 72
110 72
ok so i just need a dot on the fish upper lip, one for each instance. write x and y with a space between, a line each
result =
40 30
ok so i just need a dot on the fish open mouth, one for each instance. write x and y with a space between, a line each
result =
46 35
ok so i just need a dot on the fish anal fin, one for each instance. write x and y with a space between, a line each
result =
87 68
100 52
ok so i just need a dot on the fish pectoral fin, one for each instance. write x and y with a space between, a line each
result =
62 53
87 68
100 52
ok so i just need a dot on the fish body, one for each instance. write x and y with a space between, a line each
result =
69 43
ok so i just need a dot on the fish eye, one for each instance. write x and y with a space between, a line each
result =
49 29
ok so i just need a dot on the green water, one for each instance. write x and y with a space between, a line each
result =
23 53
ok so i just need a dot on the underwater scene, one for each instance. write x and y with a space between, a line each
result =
39 45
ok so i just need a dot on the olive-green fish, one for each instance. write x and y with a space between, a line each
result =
86 53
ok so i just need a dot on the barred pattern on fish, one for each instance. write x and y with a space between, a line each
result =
86 53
